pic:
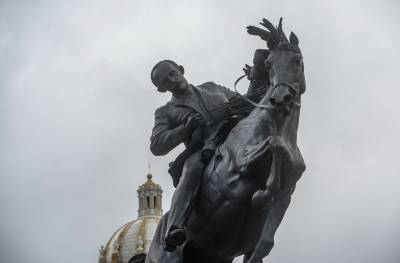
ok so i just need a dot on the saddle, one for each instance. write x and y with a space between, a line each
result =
196 144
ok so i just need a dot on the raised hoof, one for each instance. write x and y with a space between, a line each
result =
262 199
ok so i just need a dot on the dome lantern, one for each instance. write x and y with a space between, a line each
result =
150 197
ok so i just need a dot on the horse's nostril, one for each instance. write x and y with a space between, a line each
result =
273 101
288 97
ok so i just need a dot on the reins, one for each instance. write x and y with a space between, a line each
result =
258 105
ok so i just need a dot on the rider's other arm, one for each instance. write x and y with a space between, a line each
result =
164 138
258 73
228 93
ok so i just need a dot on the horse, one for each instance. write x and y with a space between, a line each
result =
247 186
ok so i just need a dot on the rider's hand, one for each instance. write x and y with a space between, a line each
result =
256 31
193 122
247 70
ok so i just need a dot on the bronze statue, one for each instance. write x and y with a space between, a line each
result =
235 206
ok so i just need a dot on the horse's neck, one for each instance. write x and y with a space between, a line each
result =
285 127
289 130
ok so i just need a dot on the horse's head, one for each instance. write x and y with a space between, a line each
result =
285 66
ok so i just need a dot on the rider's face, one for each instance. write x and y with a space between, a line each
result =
174 82
170 78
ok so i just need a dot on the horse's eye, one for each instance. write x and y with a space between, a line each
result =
297 61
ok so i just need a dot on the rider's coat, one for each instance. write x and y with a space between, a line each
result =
207 99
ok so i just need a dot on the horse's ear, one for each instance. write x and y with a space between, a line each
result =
293 39
181 69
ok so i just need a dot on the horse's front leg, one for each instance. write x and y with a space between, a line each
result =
262 199
273 220
273 198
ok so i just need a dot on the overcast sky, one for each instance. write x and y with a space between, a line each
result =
77 104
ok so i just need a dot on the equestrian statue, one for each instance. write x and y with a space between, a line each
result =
236 176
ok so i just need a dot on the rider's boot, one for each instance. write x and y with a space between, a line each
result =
176 237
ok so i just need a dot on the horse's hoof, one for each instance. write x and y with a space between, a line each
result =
261 199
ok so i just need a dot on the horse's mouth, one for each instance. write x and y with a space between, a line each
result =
284 108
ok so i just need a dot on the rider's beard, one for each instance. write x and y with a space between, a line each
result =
180 87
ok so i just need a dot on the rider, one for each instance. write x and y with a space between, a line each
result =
194 113
190 109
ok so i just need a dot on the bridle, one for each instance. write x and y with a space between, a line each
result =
258 105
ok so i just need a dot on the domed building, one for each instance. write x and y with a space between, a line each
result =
131 242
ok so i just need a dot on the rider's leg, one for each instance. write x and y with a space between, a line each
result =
182 200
